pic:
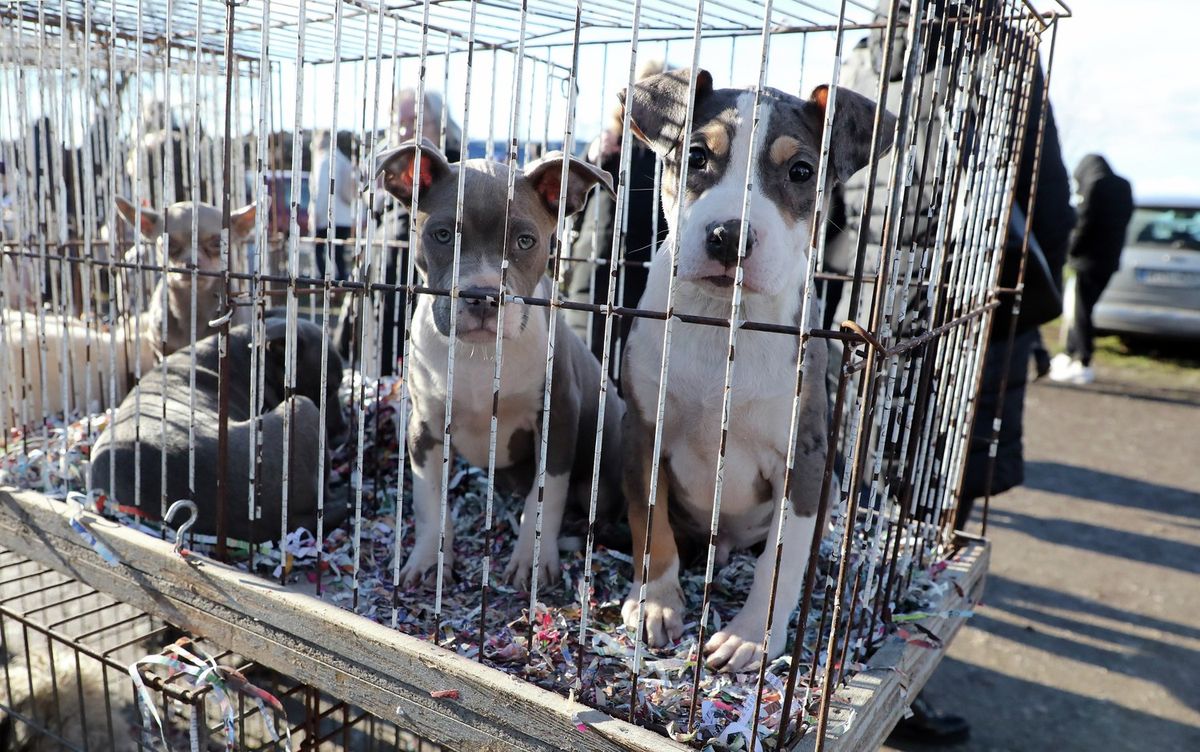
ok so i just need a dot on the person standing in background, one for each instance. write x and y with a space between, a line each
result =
1051 222
587 277
391 219
1105 206
330 161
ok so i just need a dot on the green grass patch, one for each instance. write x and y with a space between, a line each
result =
1172 364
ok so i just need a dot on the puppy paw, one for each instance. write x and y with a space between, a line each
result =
421 568
519 571
664 611
738 648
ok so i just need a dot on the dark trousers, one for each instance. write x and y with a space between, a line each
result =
581 289
1009 469
340 252
1089 285
390 327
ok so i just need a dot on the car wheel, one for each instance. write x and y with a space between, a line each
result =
1136 344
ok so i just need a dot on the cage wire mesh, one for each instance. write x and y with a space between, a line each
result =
69 650
212 290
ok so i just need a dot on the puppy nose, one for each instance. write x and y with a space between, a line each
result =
721 241
480 305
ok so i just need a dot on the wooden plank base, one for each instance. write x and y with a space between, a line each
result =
349 656
867 708
390 674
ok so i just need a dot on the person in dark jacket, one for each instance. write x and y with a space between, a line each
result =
392 223
1051 226
1041 302
1105 207
586 280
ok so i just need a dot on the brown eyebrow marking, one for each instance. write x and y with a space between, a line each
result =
717 138
784 148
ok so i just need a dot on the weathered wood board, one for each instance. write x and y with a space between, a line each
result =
383 671
391 674
876 698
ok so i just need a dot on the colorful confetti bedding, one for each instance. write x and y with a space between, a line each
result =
596 670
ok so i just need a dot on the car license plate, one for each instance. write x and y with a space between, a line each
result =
1168 278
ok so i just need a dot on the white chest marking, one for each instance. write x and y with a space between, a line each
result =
522 380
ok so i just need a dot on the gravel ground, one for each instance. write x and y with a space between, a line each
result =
1089 636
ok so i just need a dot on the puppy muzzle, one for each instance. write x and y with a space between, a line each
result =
714 263
721 240
478 317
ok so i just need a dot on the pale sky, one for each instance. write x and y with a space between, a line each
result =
1126 84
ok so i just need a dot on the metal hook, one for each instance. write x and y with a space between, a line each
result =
78 502
217 322
182 530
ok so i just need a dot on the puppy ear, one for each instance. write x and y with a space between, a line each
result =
545 176
398 167
853 121
152 223
275 328
241 222
658 106
275 336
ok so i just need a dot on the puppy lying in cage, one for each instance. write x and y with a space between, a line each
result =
487 330
97 365
127 459
782 176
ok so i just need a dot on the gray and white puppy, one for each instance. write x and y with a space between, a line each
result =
518 405
138 423
99 364
782 175
171 234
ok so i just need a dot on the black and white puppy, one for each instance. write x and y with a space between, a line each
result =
782 174
522 240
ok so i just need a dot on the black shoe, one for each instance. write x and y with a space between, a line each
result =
929 727
1041 361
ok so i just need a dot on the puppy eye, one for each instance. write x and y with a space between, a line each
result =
442 235
525 242
800 172
697 158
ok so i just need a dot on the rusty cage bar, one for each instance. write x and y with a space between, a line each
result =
218 284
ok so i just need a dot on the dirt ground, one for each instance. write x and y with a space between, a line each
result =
1089 634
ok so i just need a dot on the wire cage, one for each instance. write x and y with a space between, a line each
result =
68 652
678 434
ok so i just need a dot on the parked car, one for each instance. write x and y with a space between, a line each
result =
1156 292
